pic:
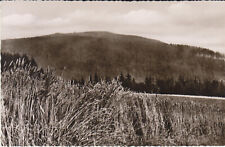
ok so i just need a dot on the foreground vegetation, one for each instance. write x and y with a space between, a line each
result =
40 108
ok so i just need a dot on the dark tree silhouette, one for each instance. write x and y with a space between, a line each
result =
90 79
121 78
96 78
82 81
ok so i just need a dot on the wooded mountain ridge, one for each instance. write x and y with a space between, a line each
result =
76 55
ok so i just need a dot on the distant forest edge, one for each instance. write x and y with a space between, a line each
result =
79 55
152 84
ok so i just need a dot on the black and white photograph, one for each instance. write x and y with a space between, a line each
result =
103 73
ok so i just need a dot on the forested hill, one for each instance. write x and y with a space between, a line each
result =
77 55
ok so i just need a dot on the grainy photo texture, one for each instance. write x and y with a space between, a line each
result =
112 73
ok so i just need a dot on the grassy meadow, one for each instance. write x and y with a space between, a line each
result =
39 108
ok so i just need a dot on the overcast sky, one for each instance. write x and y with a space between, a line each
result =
193 23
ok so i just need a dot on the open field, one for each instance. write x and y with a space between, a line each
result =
218 101
43 109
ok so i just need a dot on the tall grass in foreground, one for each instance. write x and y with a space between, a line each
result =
42 109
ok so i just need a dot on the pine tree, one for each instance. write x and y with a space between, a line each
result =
121 78
82 81
96 78
90 79
127 82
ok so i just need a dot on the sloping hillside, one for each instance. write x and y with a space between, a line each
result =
77 55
